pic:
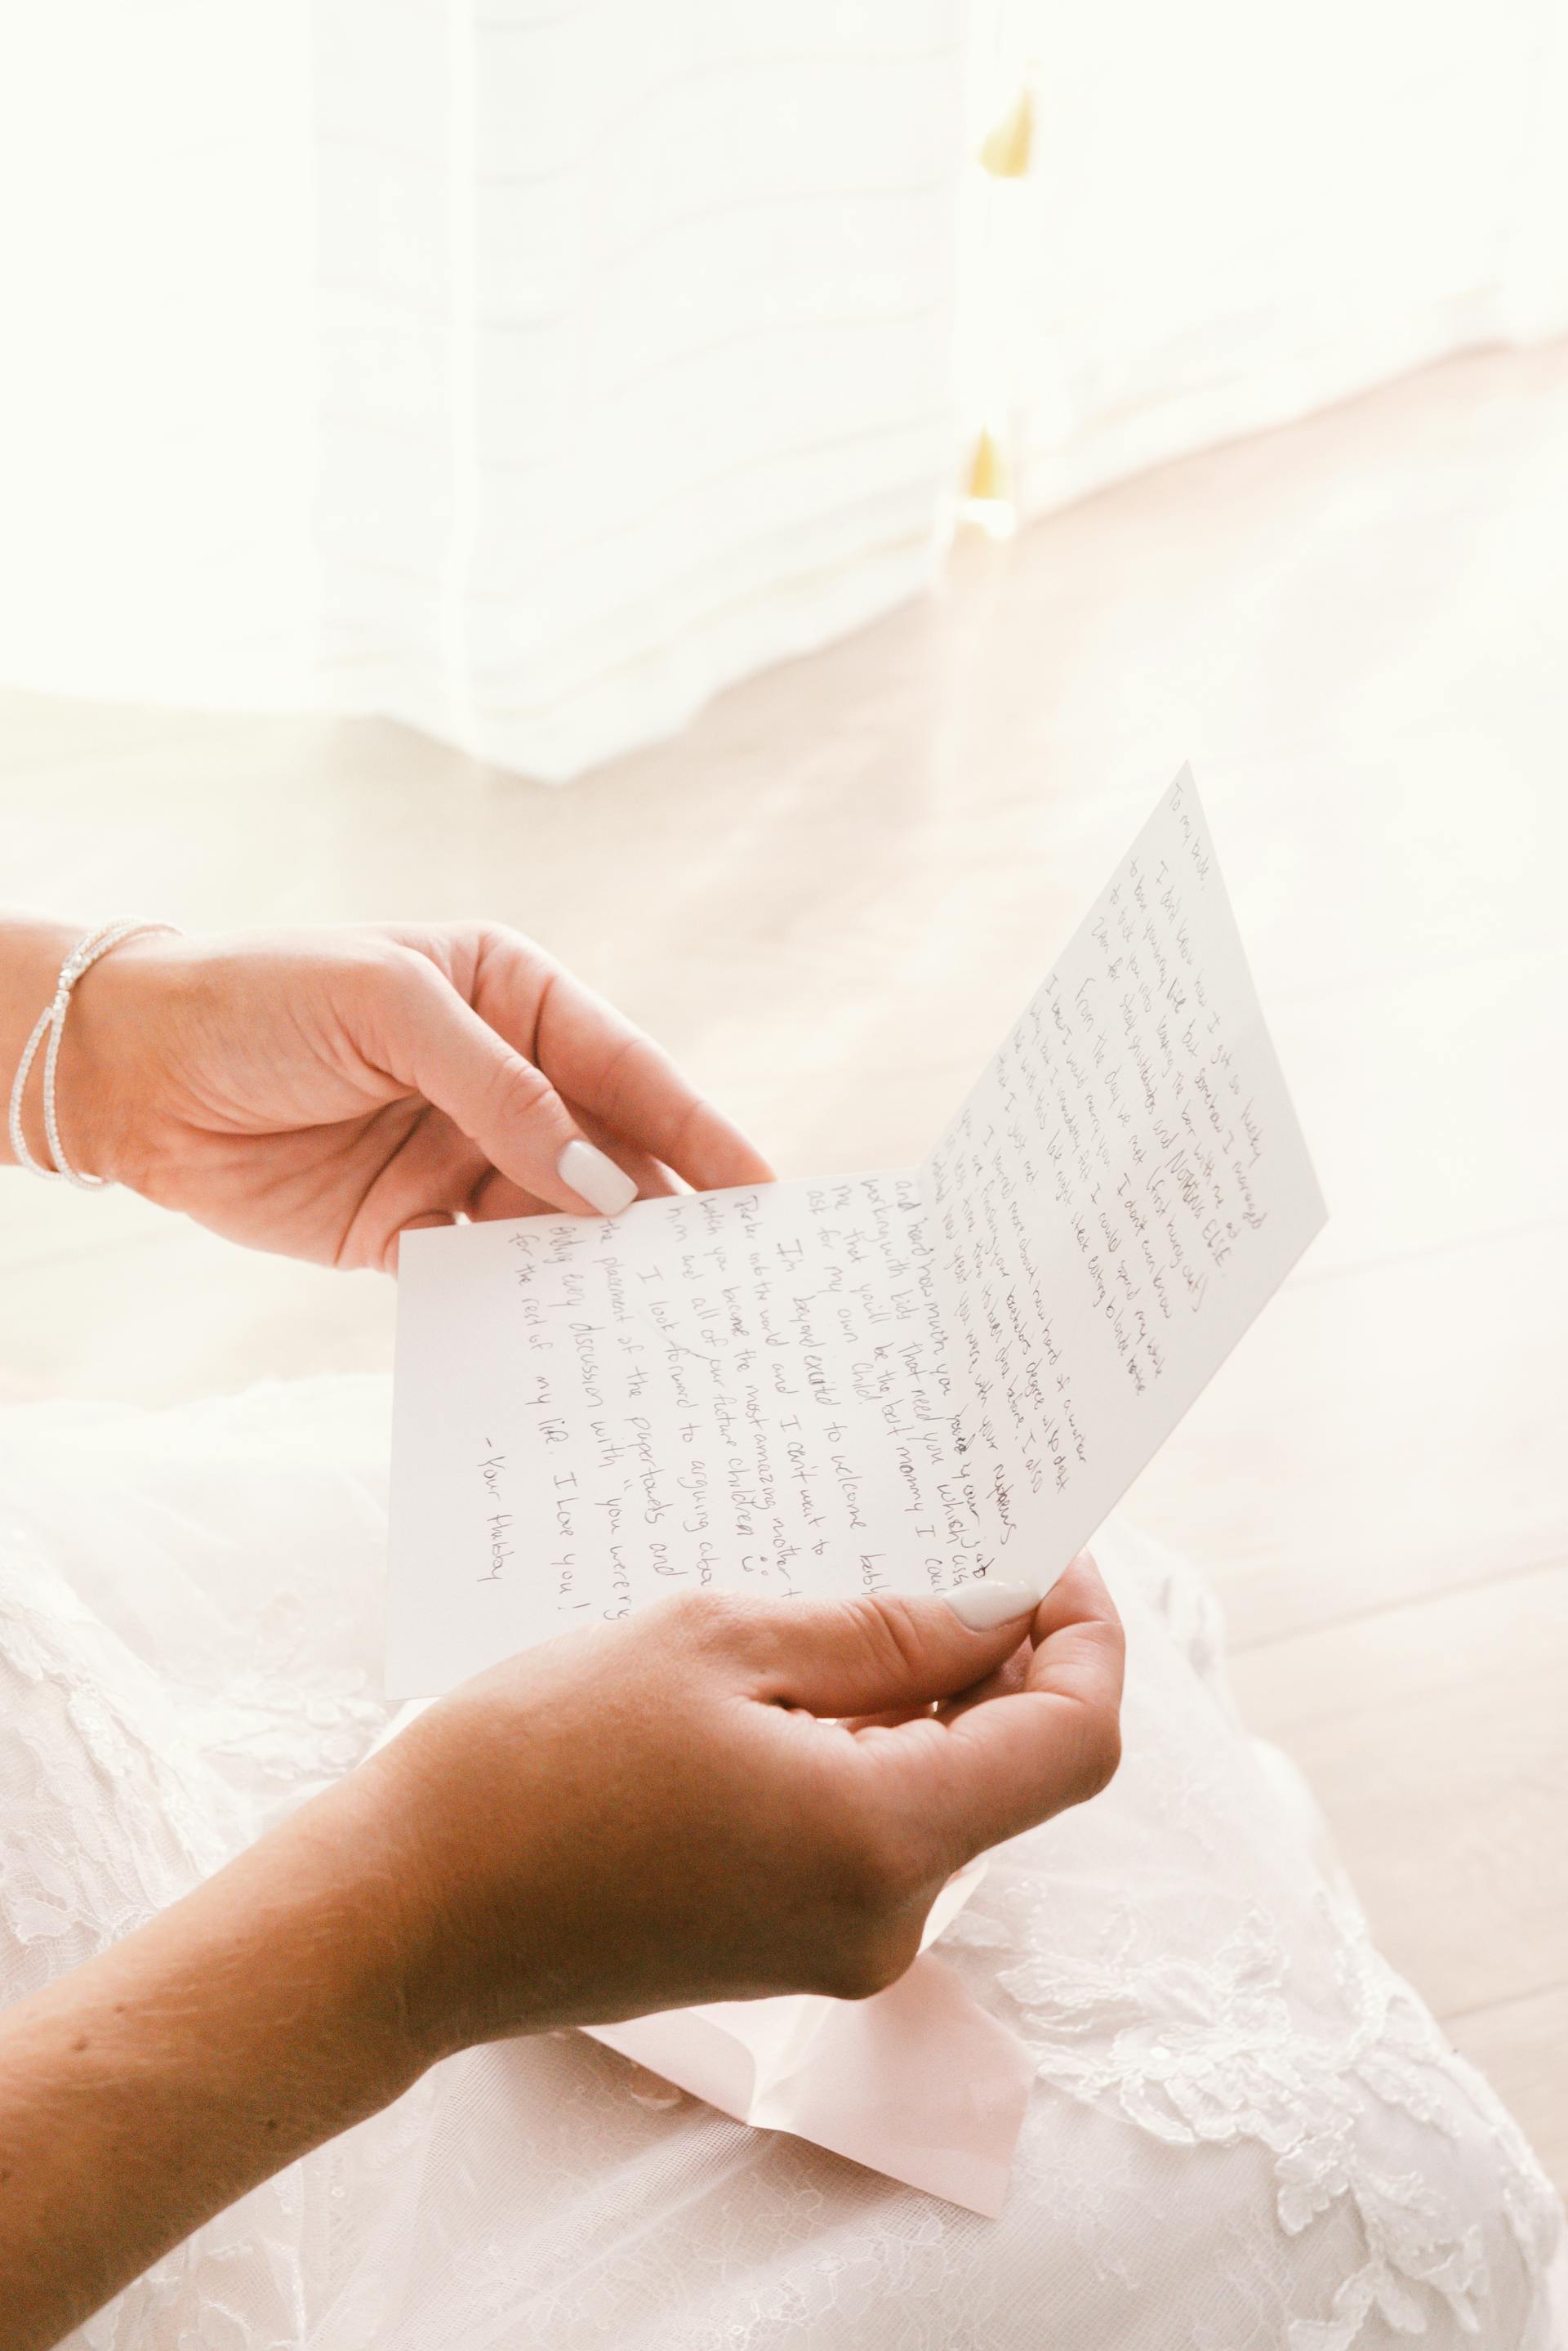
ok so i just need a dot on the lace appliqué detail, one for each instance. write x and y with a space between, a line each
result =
1223 2053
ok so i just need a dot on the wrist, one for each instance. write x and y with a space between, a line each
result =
32 950
100 1087
340 1868
106 1075
416 1818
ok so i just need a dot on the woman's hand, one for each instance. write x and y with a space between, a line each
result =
321 1093
694 1805
652 1812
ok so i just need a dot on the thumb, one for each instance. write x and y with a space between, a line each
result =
433 1040
876 1655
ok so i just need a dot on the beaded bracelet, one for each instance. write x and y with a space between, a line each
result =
51 1023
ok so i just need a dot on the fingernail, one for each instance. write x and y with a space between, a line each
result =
596 1178
981 1605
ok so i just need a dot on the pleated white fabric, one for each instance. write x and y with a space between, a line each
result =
1246 2133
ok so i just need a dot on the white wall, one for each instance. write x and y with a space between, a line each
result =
157 368
529 369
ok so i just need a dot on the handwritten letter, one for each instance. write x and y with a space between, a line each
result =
891 1382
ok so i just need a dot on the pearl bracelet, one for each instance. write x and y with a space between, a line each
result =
51 1023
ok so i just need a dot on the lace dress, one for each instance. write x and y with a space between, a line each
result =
1246 2134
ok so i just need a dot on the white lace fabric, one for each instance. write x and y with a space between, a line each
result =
1247 2133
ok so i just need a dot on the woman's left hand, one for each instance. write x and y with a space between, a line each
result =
323 1092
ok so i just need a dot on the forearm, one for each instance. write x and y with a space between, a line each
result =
159 2082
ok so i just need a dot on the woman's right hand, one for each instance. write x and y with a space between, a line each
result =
680 1807
685 1807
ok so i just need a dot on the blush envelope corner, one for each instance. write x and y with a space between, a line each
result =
919 2082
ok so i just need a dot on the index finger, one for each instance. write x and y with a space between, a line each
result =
593 1054
989 1769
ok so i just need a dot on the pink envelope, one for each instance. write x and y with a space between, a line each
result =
918 2081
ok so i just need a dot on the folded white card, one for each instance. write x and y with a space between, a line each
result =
896 1381
870 1382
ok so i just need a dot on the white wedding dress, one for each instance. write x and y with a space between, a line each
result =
1246 2134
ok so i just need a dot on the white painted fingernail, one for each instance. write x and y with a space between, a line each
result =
981 1605
596 1178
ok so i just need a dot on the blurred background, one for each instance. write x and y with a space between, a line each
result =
527 369
861 451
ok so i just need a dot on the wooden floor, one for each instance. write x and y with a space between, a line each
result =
835 892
